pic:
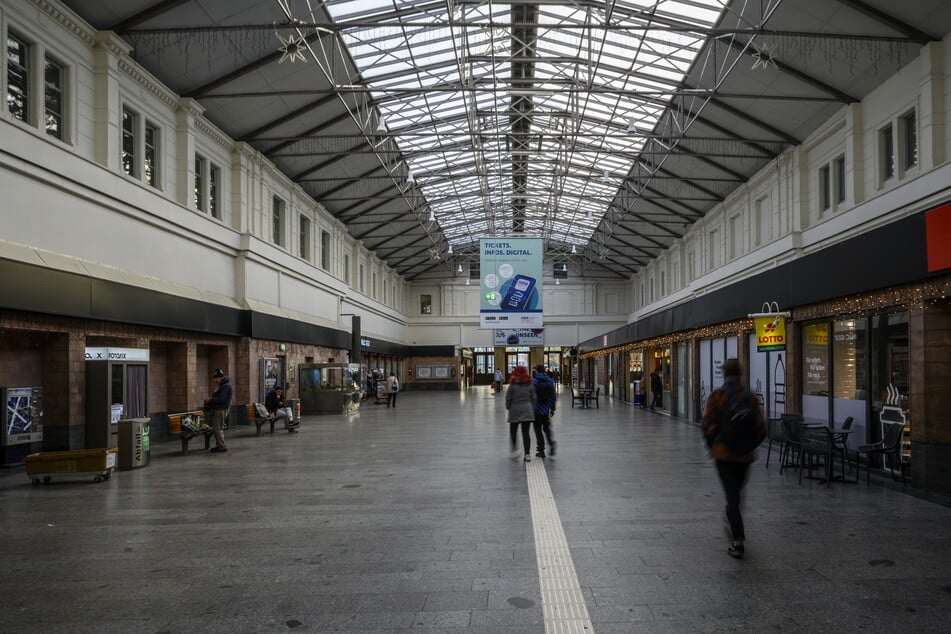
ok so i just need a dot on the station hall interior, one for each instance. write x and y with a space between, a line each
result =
310 194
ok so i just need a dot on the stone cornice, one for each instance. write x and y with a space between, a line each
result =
67 20
206 127
137 74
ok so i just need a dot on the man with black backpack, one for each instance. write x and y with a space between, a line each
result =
547 400
733 427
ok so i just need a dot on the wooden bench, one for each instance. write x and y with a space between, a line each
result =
184 433
260 420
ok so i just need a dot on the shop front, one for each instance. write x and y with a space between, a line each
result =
859 368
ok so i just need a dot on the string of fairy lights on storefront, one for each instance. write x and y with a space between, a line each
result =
913 296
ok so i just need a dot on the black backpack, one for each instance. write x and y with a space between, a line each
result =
738 424
543 392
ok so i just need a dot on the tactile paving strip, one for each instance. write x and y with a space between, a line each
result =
563 604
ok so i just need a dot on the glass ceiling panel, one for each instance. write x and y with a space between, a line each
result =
522 110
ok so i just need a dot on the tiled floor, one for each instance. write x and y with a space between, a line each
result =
415 519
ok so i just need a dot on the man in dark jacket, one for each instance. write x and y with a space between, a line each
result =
657 389
547 399
731 467
217 407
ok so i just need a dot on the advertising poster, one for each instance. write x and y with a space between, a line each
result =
520 337
511 283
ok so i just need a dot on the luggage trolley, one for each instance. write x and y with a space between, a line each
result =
96 462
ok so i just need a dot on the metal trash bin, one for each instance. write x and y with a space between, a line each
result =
134 443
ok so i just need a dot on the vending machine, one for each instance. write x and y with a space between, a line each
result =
22 423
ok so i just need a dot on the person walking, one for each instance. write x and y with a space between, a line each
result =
217 406
392 389
733 427
520 401
657 389
544 410
497 380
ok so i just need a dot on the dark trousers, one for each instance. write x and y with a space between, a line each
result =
391 398
542 425
733 477
526 435
658 400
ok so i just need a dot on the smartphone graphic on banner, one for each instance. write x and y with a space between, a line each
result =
519 293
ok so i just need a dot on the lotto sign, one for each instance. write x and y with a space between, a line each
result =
770 333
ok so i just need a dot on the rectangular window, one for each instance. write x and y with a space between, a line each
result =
362 280
887 152
736 236
200 166
691 266
151 154
425 304
346 268
663 284
763 228
373 285
825 191
55 99
214 189
383 288
130 125
909 130
839 166
815 358
712 250
18 78
325 250
277 221
303 249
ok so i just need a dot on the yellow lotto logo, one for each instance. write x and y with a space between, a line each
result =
770 333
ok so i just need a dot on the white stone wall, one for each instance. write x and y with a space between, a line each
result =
776 216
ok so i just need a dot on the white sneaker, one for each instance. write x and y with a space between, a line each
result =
514 454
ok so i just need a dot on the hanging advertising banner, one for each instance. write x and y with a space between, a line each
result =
510 283
770 333
520 337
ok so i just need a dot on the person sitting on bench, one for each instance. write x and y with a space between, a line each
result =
274 403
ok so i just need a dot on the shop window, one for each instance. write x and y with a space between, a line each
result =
849 360
815 359
425 304
18 78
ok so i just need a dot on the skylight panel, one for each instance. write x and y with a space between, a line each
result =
468 116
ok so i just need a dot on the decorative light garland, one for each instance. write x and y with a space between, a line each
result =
912 296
